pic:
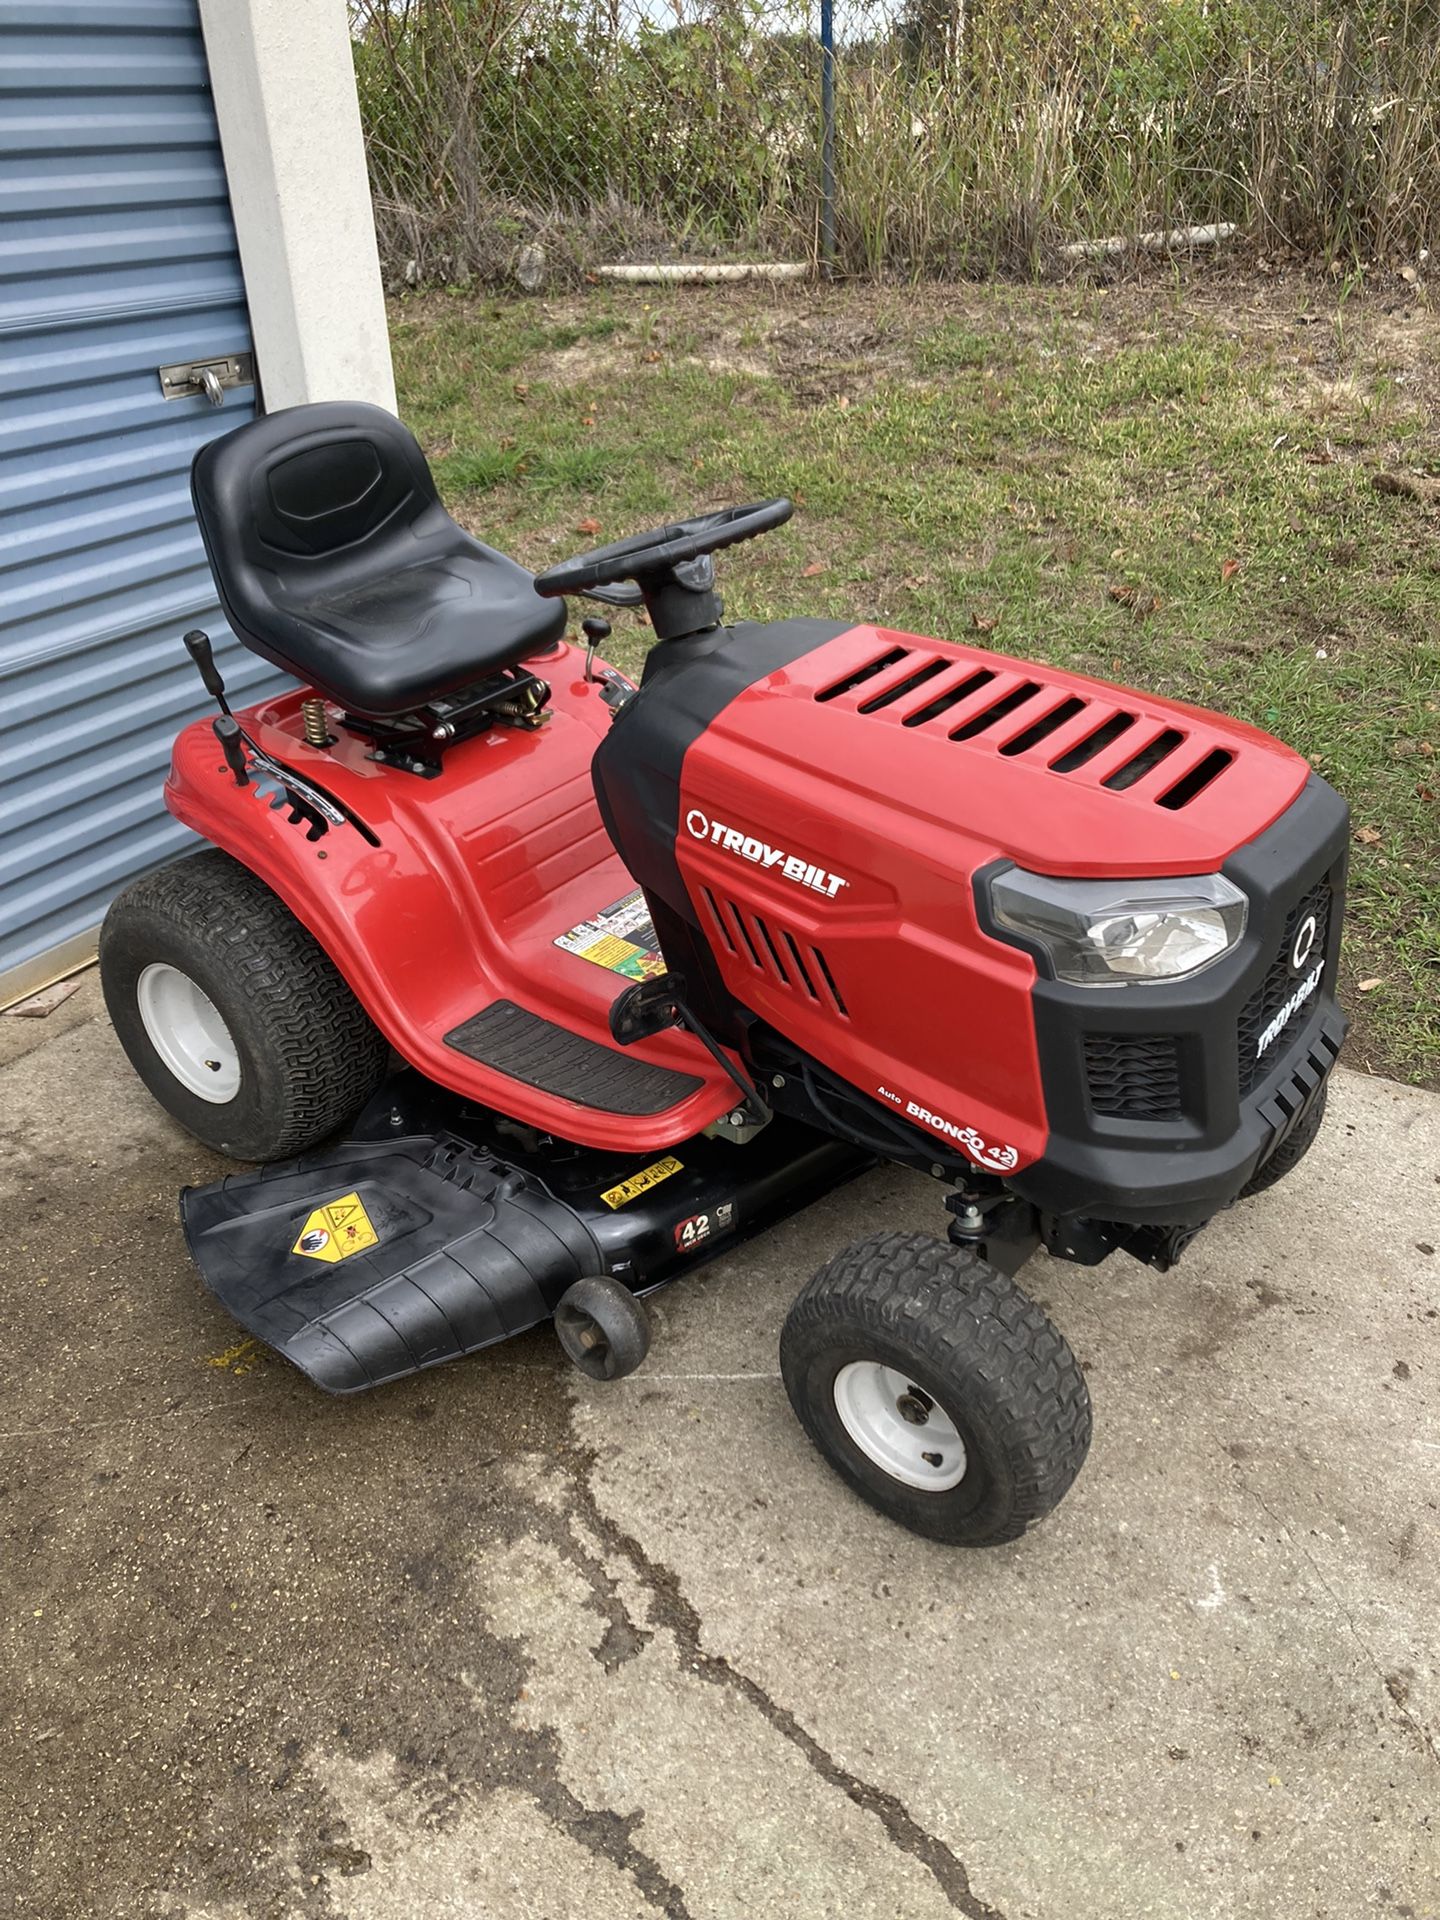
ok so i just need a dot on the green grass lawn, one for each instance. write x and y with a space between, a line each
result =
1166 487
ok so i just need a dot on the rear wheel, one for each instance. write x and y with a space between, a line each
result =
232 1014
937 1389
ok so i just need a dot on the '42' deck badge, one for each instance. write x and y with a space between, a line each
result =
700 1227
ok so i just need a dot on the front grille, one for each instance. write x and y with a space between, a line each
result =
1282 981
1133 1076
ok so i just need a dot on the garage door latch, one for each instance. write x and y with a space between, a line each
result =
188 379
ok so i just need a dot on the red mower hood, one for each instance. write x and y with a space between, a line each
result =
1063 774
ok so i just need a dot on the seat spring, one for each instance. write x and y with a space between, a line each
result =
317 728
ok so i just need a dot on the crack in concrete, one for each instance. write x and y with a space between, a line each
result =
608 1835
675 1612
624 1638
1372 1659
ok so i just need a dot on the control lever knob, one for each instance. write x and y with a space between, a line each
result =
227 732
197 645
595 629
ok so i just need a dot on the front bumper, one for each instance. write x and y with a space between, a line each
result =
1162 1100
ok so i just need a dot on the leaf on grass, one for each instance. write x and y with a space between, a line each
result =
984 622
587 526
843 403
1368 836
815 567
1425 793
1229 570
1369 986
1143 603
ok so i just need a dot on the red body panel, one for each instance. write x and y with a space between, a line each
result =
860 939
477 873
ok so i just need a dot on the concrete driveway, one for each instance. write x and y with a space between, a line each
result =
496 1642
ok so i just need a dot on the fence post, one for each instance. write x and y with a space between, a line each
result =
827 136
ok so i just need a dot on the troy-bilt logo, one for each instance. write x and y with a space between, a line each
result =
761 854
997 1159
1306 935
1288 1012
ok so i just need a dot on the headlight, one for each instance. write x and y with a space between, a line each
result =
1103 933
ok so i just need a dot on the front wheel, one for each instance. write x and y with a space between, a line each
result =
937 1389
1288 1155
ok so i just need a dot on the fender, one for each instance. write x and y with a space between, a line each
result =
448 912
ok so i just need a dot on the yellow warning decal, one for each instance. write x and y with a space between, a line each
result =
641 1182
336 1231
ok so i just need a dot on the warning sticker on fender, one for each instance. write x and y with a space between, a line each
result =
641 1182
620 938
336 1231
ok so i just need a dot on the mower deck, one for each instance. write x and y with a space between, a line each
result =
436 1231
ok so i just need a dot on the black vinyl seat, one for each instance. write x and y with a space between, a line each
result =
335 560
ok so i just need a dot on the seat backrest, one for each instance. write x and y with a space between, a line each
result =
306 483
307 499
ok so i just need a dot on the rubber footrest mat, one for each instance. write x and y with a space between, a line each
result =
540 1054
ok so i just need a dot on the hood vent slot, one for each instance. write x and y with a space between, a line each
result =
1095 743
775 952
1145 761
1043 728
1195 782
901 687
989 715
943 702
861 674
825 974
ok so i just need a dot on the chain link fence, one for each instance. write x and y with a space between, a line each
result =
540 138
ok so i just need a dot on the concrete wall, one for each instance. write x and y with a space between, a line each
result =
290 128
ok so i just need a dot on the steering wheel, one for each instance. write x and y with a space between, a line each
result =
644 555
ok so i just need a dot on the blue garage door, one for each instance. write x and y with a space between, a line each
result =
117 258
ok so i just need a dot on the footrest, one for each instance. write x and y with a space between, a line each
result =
541 1054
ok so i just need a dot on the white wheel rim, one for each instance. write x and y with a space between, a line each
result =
184 1028
901 1427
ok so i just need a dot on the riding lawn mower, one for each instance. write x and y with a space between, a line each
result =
530 988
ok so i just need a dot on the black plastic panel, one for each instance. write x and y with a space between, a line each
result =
476 1235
